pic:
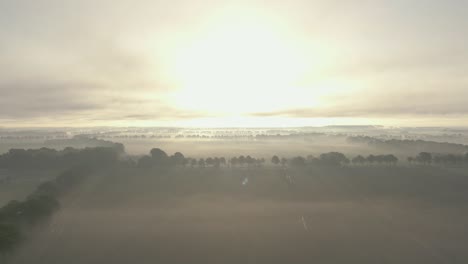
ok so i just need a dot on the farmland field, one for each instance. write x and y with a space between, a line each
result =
209 215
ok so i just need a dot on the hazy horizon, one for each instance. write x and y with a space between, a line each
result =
39 127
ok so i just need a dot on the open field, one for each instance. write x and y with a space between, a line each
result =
310 215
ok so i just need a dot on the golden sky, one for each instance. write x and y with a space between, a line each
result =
233 63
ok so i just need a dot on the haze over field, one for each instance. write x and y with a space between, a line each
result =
329 195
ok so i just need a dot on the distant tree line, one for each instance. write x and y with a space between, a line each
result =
336 159
225 135
246 161
406 145
426 158
66 158
160 159
328 159
82 141
388 159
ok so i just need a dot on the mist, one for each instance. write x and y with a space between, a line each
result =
219 131
210 196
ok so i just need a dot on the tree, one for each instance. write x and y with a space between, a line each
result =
380 159
37 208
424 158
249 160
9 236
371 159
158 155
178 158
298 161
209 161
70 178
234 161
311 159
193 162
334 158
449 159
201 163
49 188
358 160
346 161
391 159
275 160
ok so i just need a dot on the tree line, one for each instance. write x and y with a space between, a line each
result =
426 158
159 158
66 158
336 159
17 217
407 145
101 156
37 207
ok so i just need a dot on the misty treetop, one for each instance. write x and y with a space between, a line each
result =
426 158
408 145
51 158
159 158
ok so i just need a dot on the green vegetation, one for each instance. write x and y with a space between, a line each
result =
161 177
44 201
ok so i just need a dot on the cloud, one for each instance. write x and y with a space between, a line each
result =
53 79
430 102
104 61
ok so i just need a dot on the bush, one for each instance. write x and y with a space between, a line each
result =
10 235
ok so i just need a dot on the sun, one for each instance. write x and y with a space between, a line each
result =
244 62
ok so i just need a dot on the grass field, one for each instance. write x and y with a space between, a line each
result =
352 215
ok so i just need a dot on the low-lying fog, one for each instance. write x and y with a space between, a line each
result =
355 215
169 209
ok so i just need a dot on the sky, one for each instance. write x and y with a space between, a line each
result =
233 63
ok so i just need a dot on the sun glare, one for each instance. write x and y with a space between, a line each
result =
246 63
